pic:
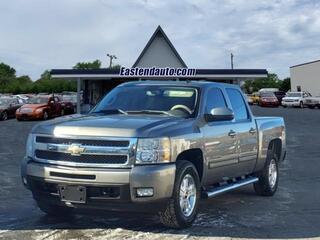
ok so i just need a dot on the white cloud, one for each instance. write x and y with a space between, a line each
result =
44 34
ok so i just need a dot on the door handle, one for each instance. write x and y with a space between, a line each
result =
232 133
252 131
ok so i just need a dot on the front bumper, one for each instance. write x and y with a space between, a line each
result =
29 116
269 104
312 104
290 104
43 180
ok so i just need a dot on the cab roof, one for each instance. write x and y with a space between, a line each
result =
197 84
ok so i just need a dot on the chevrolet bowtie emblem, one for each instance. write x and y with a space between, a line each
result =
75 149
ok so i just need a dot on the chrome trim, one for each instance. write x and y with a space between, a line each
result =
88 150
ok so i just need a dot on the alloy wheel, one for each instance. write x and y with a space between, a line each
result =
273 173
4 116
188 195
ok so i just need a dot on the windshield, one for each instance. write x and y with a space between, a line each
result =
267 94
4 101
294 94
69 98
150 98
38 100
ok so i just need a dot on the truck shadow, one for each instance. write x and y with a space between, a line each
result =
240 214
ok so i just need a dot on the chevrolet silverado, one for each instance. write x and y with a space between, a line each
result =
156 146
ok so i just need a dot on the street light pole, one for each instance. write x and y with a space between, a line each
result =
231 60
111 58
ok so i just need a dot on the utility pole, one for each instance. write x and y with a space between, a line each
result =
111 58
231 60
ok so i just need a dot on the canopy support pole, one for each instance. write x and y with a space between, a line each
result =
78 95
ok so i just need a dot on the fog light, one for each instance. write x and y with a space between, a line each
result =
144 192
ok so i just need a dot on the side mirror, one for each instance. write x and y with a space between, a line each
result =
219 114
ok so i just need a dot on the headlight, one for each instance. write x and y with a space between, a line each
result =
39 110
29 145
153 150
296 100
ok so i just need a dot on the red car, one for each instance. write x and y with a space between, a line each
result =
268 99
40 107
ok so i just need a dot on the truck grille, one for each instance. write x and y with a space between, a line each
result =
85 151
88 158
87 142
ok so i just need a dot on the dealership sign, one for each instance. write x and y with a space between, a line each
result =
154 71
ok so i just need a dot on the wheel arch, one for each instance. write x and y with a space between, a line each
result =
275 146
195 156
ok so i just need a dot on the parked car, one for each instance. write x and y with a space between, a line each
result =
40 107
8 107
249 99
295 99
21 98
156 147
69 103
255 97
312 102
268 99
280 95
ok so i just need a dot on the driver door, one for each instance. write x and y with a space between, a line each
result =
220 142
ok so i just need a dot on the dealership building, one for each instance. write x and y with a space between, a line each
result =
160 55
306 77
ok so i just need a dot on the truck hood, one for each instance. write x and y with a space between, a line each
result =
34 106
111 125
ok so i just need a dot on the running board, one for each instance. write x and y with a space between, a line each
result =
228 187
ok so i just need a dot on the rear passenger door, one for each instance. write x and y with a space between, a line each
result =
246 132
219 142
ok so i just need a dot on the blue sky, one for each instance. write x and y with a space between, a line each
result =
36 35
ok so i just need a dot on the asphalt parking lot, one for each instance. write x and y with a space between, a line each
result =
294 212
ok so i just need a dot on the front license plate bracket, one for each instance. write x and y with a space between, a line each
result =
73 194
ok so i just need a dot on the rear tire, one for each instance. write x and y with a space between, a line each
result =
268 177
181 209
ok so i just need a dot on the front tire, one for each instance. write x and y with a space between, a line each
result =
4 116
268 177
301 105
45 115
182 208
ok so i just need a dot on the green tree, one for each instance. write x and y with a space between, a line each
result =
271 81
7 71
49 85
285 85
88 65
7 74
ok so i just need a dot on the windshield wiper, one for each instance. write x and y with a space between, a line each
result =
151 112
112 111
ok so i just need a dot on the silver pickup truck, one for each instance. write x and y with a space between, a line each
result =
156 146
